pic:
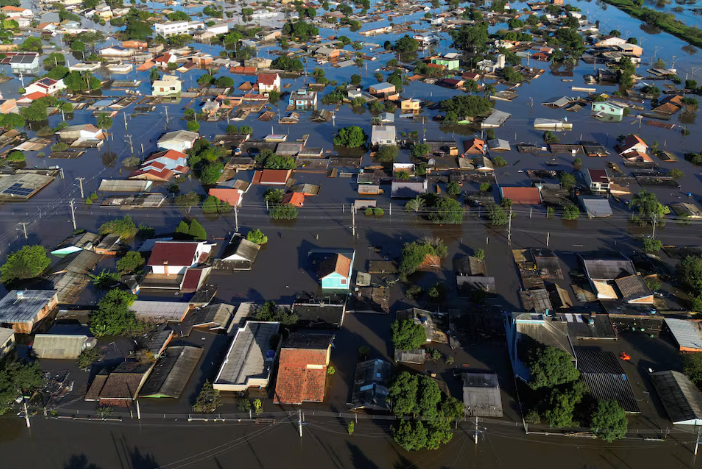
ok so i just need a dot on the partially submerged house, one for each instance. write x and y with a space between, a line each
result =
302 368
250 358
370 386
171 373
23 309
335 271
240 254
680 397
481 395
603 269
61 346
179 140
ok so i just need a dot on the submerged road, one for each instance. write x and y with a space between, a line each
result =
56 444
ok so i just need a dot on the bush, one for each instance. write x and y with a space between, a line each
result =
331 370
499 162
131 262
378 212
208 400
60 146
479 254
368 212
15 156
193 126
283 212
571 212
485 187
350 428
131 162
28 262
88 356
652 245
256 236
124 227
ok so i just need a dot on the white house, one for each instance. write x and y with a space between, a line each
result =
175 257
179 140
383 135
25 62
45 86
81 131
219 28
168 86
16 12
268 82
171 28
116 51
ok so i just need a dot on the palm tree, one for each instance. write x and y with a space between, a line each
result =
415 205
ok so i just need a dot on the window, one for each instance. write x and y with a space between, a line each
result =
343 281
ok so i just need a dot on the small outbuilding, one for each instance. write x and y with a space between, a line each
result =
481 395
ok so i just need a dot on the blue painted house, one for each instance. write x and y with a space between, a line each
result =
335 271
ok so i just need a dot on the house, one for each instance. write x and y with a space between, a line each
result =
265 36
423 318
382 89
474 146
481 395
9 106
523 329
303 100
370 386
383 135
597 180
230 195
121 386
171 372
294 198
133 44
26 63
240 254
687 210
272 177
452 83
61 346
450 64
602 269
172 28
302 368
608 109
85 132
410 105
408 189
45 86
521 195
680 397
335 271
218 28
633 289
250 359
175 257
326 311
116 51
686 334
23 309
179 140
165 59
167 86
268 82
631 144
610 41
595 207
13 12
7 341
162 166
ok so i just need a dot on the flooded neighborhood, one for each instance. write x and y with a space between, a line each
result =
387 234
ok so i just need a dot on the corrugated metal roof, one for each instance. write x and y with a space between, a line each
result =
151 310
59 347
686 333
247 357
24 305
680 397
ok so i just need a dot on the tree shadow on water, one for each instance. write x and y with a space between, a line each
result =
358 459
135 459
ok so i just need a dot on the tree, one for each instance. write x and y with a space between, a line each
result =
130 263
652 245
676 173
406 335
415 205
18 378
386 153
609 421
497 215
15 156
550 137
410 435
89 356
479 254
271 312
124 227
453 188
28 262
447 211
689 274
511 75
498 161
11 120
287 64
562 404
692 367
193 126
550 367
420 150
416 252
406 45
211 173
35 112
208 400
256 236
648 205
105 280
197 231
78 46
283 212
274 196
154 74
567 181
485 187
104 121
351 137
224 82
213 205
355 79
466 106
189 200
113 317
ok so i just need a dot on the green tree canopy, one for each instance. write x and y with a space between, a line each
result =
466 106
609 421
131 262
28 262
113 316
447 211
550 367
124 227
416 252
351 137
648 205
17 379
406 335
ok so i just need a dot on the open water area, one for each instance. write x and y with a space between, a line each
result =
325 222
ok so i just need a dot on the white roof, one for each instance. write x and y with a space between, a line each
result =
169 310
686 333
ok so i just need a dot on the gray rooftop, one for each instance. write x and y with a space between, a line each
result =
607 266
481 395
24 305
248 355
59 346
605 378
596 207
680 397
155 310
686 333
370 386
172 372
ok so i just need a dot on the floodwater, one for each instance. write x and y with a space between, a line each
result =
325 221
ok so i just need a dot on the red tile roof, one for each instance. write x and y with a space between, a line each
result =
33 96
337 263
191 280
522 195
267 79
294 198
296 383
170 154
275 176
173 254
598 175
230 196
163 175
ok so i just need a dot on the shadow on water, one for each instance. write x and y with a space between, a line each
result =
135 459
360 460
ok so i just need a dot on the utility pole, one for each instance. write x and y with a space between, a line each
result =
80 182
509 228
131 148
73 214
236 218
548 237
124 114
167 116
475 435
653 220
299 420
353 221
24 227
29 425
697 442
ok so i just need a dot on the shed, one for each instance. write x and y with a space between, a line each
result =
595 207
686 333
60 346
481 395
171 372
408 189
160 310
22 309
680 397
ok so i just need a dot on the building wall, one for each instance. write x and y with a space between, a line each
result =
335 281
7 346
